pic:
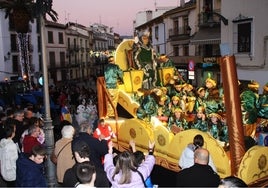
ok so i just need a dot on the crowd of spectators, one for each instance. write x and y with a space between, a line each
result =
85 160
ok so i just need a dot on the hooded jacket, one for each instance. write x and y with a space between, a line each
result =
8 157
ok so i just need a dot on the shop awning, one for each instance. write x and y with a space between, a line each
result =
179 42
207 36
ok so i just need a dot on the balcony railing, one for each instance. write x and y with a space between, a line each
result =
180 31
209 19
73 48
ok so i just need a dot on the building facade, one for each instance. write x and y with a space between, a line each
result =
17 57
195 31
74 52
247 37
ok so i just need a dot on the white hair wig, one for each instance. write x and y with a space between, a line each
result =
67 131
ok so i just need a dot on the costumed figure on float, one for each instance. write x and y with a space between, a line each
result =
112 75
262 107
144 58
249 99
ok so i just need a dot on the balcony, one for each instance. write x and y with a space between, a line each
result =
73 48
180 33
211 19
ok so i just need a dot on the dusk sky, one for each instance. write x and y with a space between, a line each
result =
118 14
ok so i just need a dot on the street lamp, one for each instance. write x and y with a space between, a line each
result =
48 128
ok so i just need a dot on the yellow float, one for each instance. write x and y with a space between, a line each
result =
253 165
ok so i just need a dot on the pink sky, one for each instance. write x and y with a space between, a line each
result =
118 14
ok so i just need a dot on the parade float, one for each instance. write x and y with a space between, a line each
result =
229 159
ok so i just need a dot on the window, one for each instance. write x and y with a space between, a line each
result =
69 42
176 50
185 25
74 43
185 50
176 26
52 62
39 43
13 40
244 37
52 59
38 26
15 64
86 44
62 59
71 74
243 34
61 38
156 34
50 37
11 25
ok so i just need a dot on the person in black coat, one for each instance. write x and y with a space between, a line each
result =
200 174
20 127
82 153
97 147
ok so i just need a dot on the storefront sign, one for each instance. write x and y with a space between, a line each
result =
210 59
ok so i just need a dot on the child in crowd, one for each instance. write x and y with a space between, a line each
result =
200 121
214 125
86 174
177 122
30 170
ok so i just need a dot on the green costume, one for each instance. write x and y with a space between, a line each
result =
262 106
199 102
145 60
248 102
178 122
214 131
223 135
147 109
112 74
212 106
200 125
168 64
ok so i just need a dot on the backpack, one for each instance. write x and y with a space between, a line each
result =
8 169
